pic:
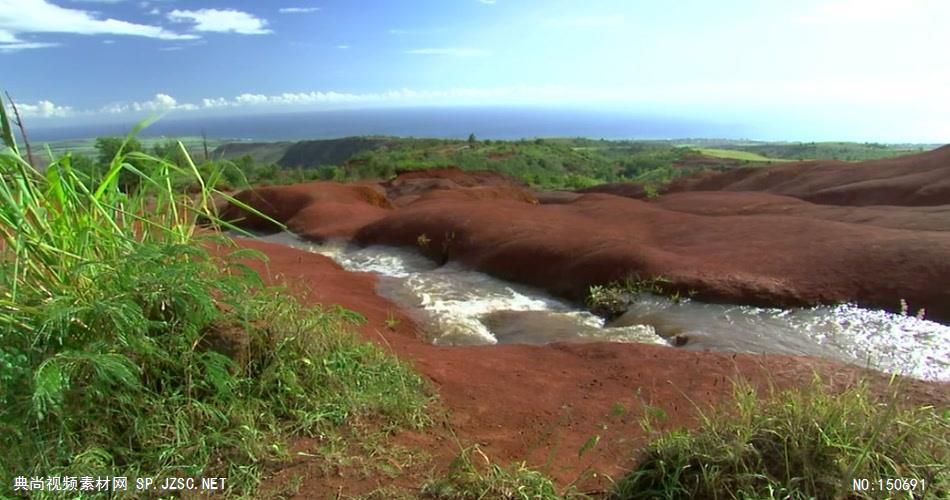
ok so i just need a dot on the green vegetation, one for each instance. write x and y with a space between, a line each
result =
803 443
614 298
547 164
736 154
129 348
845 151
564 163
467 480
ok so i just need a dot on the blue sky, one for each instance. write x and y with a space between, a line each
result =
849 69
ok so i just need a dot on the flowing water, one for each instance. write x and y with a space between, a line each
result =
458 306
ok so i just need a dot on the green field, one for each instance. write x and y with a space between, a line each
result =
844 151
735 154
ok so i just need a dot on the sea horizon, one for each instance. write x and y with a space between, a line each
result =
496 123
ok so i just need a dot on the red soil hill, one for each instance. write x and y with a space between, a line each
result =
915 180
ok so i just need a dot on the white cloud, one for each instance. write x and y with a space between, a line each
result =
44 109
343 46
218 102
17 46
222 21
298 10
487 2
449 51
160 103
401 96
41 16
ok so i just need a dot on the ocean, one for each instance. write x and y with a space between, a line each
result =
485 123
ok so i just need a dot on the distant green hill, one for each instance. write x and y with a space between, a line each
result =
327 152
260 152
559 163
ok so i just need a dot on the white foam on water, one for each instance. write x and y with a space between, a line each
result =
885 341
452 302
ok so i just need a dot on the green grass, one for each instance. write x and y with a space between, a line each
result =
128 348
735 154
472 476
803 443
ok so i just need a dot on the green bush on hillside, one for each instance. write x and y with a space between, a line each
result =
804 443
129 348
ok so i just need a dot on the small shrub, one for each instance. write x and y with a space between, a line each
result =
804 443
614 298
467 480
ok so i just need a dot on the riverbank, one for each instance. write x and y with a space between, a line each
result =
545 403
542 404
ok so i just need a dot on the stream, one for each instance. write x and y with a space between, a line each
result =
455 305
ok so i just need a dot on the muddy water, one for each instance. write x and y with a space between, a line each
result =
458 306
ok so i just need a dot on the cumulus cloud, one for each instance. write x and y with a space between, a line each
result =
40 16
401 96
163 102
298 10
159 103
43 109
449 51
221 21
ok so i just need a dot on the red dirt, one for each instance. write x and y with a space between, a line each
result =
627 189
539 403
914 180
738 247
315 210
542 403
725 203
786 260
408 187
